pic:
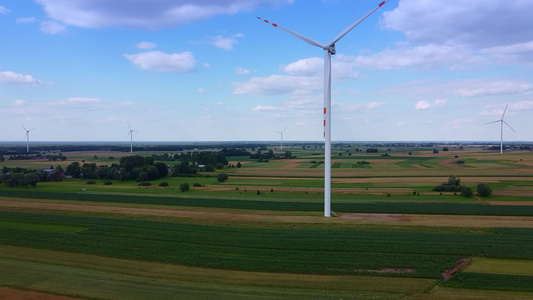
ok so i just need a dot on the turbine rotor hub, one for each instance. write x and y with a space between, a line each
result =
332 49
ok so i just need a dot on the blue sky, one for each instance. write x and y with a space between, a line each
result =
209 70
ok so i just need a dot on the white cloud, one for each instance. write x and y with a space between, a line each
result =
422 105
478 24
366 106
305 77
206 65
51 27
521 106
19 102
521 53
145 14
8 77
4 10
426 56
145 45
241 71
440 102
81 100
460 88
277 85
485 87
264 108
26 20
342 67
226 43
201 91
305 67
498 109
163 62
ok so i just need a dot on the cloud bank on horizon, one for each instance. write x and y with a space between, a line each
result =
208 70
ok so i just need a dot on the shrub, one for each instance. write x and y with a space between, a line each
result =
108 182
163 183
467 191
258 192
184 187
447 188
91 182
196 184
144 183
484 190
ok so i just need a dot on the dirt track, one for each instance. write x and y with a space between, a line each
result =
13 294
220 215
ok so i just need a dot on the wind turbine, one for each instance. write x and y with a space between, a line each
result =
501 127
27 137
130 134
329 49
281 133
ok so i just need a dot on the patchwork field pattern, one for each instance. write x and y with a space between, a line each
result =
261 233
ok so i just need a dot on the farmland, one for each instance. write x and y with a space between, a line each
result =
261 233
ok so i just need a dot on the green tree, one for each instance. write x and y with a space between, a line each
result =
484 190
161 168
221 177
152 171
454 181
73 169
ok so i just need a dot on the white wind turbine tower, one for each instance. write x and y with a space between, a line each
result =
27 137
281 133
130 134
329 49
501 127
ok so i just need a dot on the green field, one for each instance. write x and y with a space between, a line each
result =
261 233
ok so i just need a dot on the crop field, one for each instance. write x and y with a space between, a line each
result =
261 233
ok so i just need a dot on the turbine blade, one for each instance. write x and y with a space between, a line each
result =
127 135
492 122
349 28
23 127
301 37
508 126
129 125
505 110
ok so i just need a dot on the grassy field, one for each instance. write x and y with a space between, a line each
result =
261 233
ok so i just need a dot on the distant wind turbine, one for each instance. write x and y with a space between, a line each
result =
27 137
329 49
130 134
501 127
281 133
